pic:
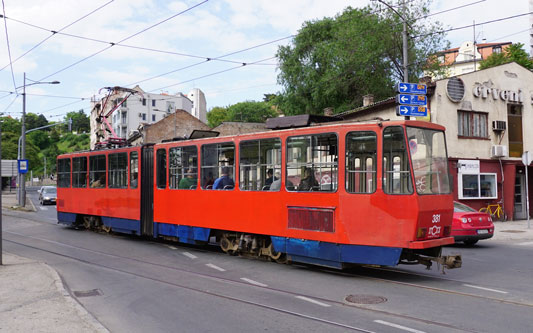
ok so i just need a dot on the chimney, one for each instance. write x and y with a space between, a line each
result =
368 99
328 111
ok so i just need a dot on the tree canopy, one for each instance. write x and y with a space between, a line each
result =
334 62
513 53
248 111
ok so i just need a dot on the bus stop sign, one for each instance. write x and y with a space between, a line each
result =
23 166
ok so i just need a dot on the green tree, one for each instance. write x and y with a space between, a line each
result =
513 53
250 111
39 138
80 122
10 125
334 62
34 121
216 116
10 145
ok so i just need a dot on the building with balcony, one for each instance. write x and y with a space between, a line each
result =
141 108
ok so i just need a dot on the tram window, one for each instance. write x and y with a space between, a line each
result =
260 164
118 170
396 170
183 167
63 172
312 163
79 172
161 167
97 164
214 158
361 154
134 169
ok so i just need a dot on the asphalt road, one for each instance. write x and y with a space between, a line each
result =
135 285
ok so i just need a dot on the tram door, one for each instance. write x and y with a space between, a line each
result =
519 197
147 190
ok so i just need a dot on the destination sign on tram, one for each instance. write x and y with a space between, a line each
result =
411 110
406 99
411 88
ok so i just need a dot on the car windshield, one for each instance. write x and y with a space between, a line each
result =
49 190
460 208
430 160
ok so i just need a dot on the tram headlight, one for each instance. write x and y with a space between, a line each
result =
464 220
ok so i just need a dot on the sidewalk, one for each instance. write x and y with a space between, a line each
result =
32 295
33 299
513 231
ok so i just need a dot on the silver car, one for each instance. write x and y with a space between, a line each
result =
47 194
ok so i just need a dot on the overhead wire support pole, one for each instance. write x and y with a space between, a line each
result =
22 177
405 44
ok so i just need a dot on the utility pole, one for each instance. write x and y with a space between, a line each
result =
405 43
21 176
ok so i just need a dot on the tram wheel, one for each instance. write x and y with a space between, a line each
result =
278 257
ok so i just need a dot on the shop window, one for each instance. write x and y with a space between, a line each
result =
361 154
118 170
312 163
477 186
472 124
183 167
260 165
63 172
516 136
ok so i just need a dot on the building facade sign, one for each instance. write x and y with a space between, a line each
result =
481 91
468 166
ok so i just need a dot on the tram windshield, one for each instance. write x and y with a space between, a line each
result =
429 160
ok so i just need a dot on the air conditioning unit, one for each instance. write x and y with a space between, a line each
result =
499 125
498 151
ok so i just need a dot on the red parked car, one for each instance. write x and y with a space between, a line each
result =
469 225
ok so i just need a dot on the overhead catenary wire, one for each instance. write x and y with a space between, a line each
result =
11 62
8 47
124 39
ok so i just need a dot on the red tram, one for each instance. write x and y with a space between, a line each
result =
347 193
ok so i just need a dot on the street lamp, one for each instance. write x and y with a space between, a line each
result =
22 179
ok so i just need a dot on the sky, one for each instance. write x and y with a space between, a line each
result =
163 46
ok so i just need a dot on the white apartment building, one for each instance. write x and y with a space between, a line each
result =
142 108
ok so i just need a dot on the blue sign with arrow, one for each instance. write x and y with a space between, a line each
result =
406 99
411 88
410 110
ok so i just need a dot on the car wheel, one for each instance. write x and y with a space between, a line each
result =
470 242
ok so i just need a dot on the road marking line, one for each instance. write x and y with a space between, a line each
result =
254 282
525 243
408 329
303 298
190 255
483 288
43 208
216 267
171 247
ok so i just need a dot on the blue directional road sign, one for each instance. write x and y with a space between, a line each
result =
411 88
406 99
410 110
